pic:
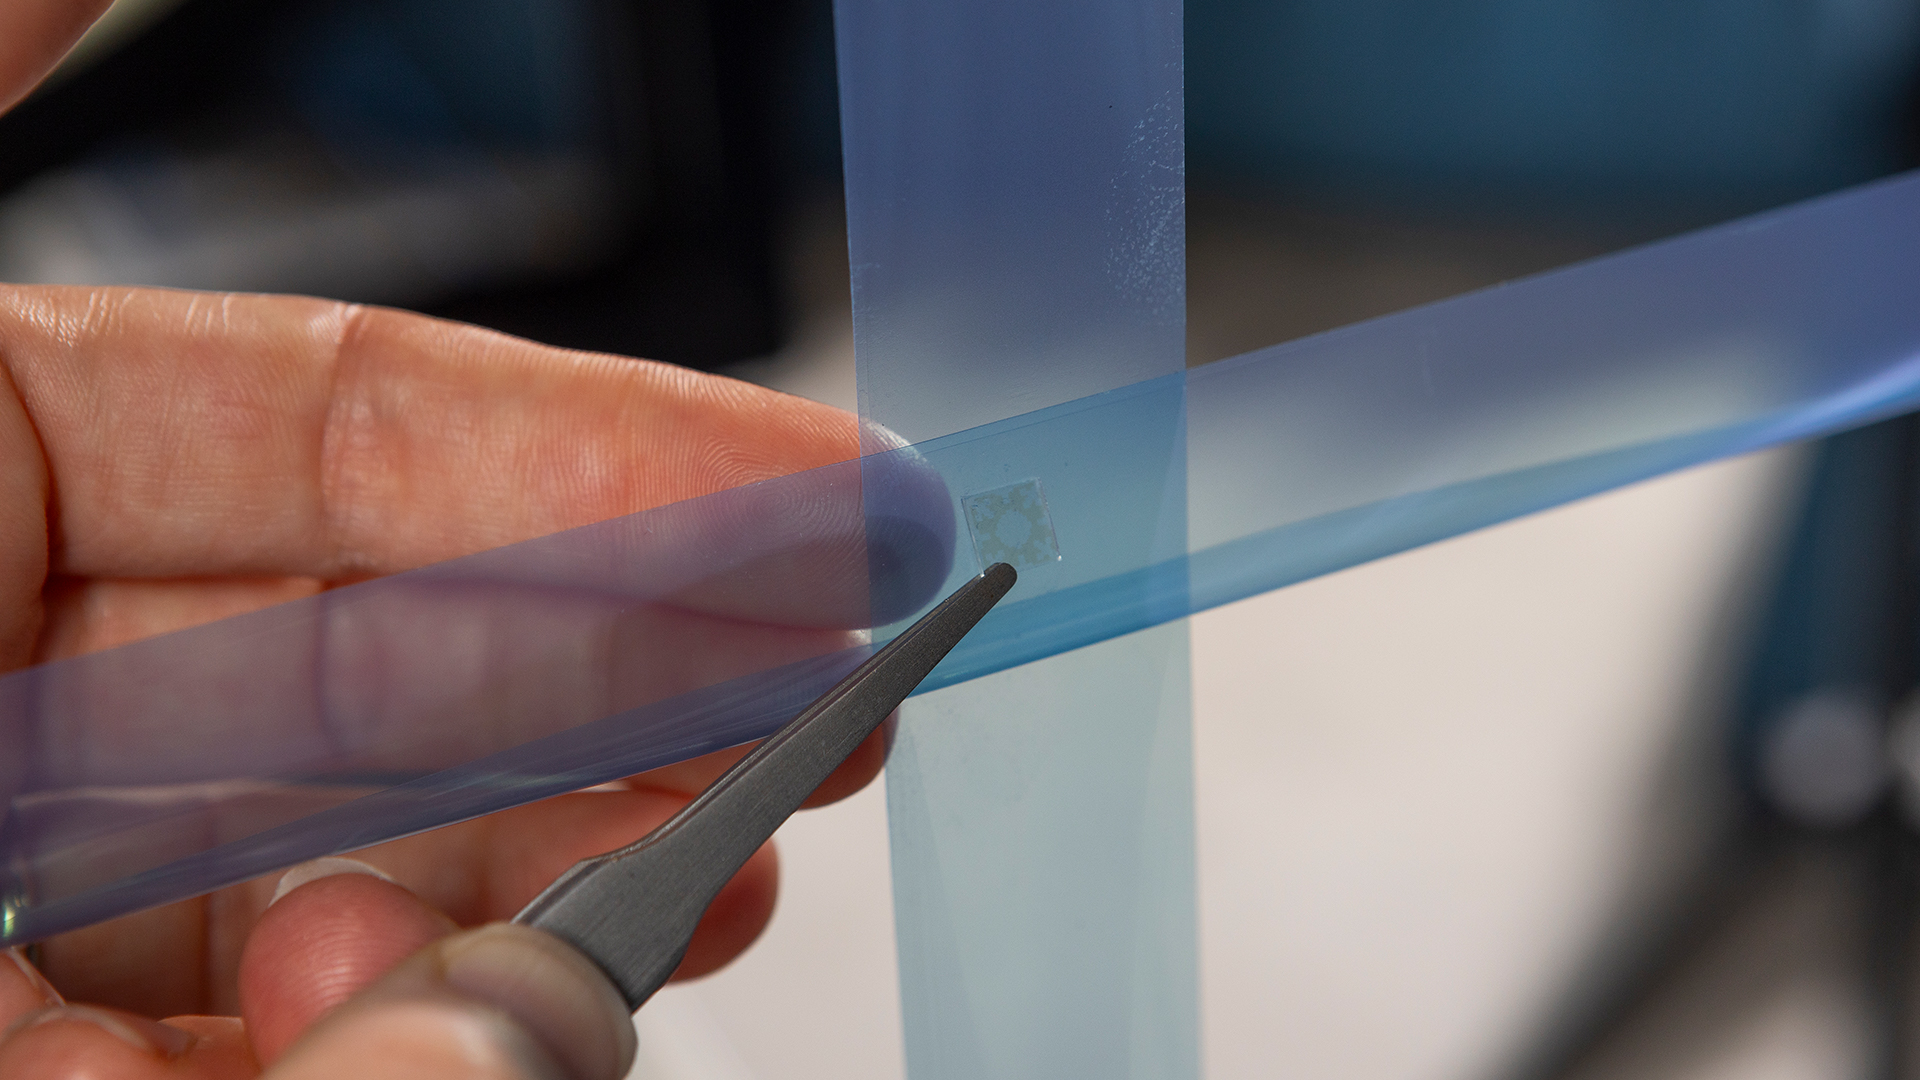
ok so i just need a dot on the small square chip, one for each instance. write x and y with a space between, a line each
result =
1011 525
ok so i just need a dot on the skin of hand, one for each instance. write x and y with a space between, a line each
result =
169 458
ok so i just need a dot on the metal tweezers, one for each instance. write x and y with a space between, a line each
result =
633 911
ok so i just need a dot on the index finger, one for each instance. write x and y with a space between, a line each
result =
200 434
140 752
194 433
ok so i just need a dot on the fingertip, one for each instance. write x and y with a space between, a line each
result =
439 1038
335 932
551 988
499 1001
910 527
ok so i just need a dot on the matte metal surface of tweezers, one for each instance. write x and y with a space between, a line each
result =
634 910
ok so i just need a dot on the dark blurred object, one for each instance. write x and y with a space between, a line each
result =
1552 107
692 278
605 174
592 173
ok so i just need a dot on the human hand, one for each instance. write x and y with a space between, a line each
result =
169 458
348 974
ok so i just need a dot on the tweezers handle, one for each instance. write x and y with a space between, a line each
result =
634 910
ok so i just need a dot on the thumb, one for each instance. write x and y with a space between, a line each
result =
504 1001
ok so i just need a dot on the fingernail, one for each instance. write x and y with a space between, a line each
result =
560 996
321 868
34 979
146 1036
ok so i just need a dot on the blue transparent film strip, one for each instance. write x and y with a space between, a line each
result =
169 767
1318 454
1016 225
1015 203
160 769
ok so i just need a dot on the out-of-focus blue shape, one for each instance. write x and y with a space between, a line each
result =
1568 103
1016 221
172 766
407 77
1834 652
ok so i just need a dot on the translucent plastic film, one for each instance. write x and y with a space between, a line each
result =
1339 448
1015 212
1321 453
171 766
1015 203
176 765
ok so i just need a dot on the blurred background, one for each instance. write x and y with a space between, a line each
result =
1624 789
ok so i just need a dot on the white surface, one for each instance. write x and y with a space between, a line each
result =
1423 783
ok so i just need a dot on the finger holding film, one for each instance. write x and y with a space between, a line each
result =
198 434
123 750
295 436
268 438
333 927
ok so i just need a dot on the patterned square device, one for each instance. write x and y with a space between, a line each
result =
1011 525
